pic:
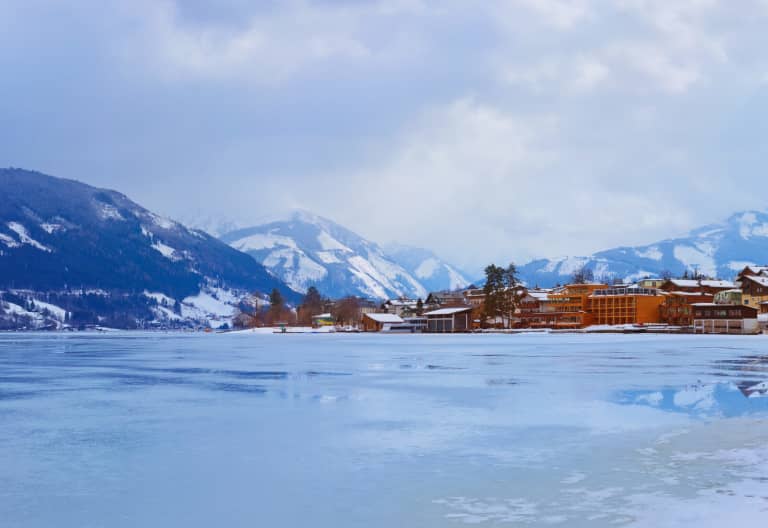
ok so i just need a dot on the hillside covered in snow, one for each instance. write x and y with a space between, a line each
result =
430 270
718 250
72 253
305 250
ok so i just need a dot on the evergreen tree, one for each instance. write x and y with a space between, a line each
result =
500 291
419 306
312 304
277 303
313 300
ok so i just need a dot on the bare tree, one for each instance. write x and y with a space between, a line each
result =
347 310
583 275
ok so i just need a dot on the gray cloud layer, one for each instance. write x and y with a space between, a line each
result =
484 130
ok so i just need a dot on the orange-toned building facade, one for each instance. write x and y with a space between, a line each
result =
571 306
677 308
622 305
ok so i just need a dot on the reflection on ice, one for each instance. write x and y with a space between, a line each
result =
704 400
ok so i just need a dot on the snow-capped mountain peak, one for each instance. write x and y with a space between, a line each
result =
304 249
434 273
718 250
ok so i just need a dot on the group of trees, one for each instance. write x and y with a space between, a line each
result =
343 311
253 313
501 294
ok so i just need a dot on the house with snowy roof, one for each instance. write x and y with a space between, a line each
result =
450 320
752 271
754 290
380 322
401 307
677 308
710 286
650 282
445 298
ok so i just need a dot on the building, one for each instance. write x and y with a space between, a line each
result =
626 305
474 296
677 308
732 296
716 285
762 322
568 307
449 320
325 319
445 298
530 307
367 306
754 290
401 307
711 318
380 322
417 323
752 271
712 286
650 283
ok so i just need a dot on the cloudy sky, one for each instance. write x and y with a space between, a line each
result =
485 130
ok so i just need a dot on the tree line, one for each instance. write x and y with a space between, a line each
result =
344 311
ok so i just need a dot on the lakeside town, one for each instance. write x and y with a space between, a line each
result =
689 304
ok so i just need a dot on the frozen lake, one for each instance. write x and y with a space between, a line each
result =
127 430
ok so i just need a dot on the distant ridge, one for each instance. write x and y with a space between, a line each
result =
60 236
717 250
304 249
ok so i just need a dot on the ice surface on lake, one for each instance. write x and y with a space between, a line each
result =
252 430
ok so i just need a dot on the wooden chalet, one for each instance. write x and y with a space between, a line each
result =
710 318
754 290
677 308
710 286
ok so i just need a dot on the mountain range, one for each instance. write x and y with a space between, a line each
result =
70 252
304 249
716 250
104 259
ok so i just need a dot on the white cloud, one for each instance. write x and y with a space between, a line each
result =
268 45
468 173
559 14
484 130
642 45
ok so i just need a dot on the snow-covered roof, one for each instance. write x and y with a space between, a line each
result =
384 318
763 281
758 269
402 302
717 283
734 290
449 311
685 283
542 296
688 294
322 316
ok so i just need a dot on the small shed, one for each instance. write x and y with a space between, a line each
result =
448 320
325 319
380 322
